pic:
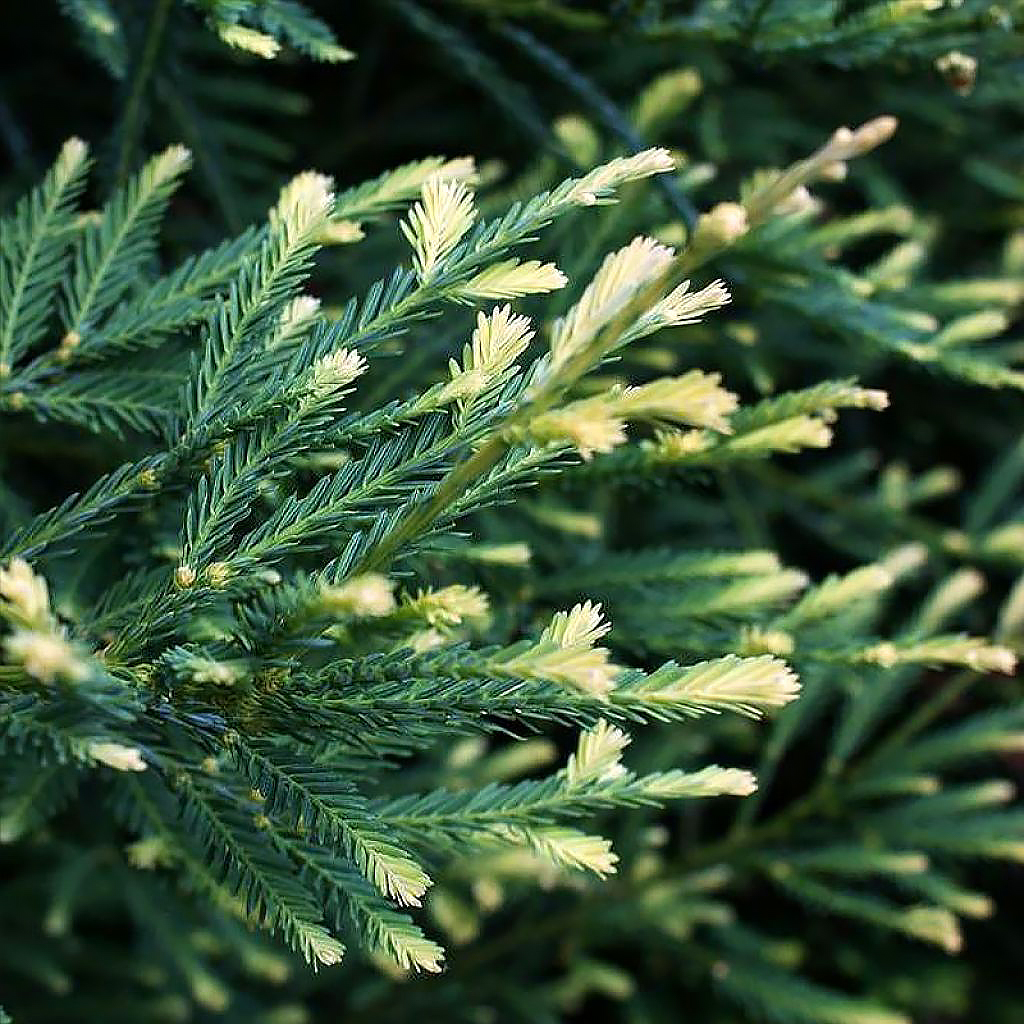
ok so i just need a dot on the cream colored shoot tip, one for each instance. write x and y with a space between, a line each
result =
565 653
497 341
512 279
682 306
334 372
620 276
589 189
438 222
367 596
117 756
249 40
304 202
846 144
24 591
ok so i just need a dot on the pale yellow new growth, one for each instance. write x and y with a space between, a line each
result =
407 181
565 653
953 594
426 640
363 597
973 327
799 202
681 306
665 97
326 949
906 559
71 157
117 756
296 316
903 863
590 189
971 652
722 225
591 425
170 163
567 520
681 444
335 371
515 553
45 656
413 952
846 144
1005 541
619 278
25 592
828 163
568 847
184 576
395 188
512 279
867 398
240 37
450 606
1011 615
461 168
342 232
584 624
757 640
304 203
218 673
598 755
598 424
785 436
868 1014
579 138
694 398
971 904
437 223
838 593
747 592
710 781
498 340
1008 849
150 853
393 873
747 685
993 793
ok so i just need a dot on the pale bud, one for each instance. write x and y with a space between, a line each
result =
118 756
335 371
450 606
367 596
241 37
845 143
756 640
218 573
960 70
799 201
67 346
719 227
26 591
834 172
184 577
342 232
45 656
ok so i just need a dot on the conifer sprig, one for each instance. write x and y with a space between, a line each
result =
318 563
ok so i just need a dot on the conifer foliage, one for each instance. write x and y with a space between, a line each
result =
437 599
